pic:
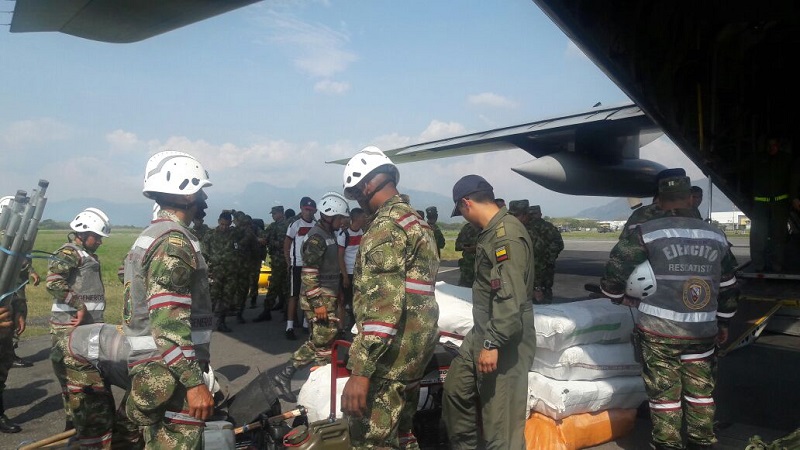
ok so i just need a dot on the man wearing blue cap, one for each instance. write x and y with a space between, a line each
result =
493 361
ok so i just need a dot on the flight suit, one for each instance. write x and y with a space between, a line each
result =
769 215
502 312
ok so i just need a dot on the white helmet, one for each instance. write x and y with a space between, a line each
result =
91 219
5 201
641 282
171 172
333 204
365 162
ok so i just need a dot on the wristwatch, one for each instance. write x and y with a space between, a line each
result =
488 345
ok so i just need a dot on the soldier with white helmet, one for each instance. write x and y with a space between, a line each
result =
395 308
73 280
167 309
319 291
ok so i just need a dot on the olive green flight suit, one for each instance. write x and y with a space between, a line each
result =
502 311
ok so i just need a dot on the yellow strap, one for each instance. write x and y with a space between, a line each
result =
761 199
781 197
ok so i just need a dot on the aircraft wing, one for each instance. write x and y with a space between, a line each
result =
117 21
595 152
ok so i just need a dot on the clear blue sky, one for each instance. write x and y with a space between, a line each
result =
271 91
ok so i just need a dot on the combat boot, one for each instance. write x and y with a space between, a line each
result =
265 316
6 425
221 327
240 317
253 302
283 383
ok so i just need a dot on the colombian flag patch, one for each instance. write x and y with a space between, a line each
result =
501 253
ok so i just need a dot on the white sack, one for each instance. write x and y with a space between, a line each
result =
587 362
558 399
315 394
455 310
594 321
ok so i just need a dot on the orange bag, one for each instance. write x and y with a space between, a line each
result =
578 430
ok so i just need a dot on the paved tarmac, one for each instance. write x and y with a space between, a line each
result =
756 392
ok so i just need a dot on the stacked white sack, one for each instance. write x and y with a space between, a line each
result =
584 360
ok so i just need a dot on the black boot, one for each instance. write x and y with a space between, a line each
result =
253 302
19 362
283 383
221 324
265 316
240 317
6 425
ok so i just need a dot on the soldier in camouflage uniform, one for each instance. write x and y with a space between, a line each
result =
491 367
644 213
258 257
465 243
319 292
278 290
246 244
167 310
396 311
683 316
552 244
199 228
26 274
74 282
11 321
433 216
219 248
98 359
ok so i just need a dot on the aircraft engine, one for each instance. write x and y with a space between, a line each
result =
575 174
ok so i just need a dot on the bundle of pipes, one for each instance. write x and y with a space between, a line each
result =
19 223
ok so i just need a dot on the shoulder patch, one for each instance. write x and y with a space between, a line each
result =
501 231
501 253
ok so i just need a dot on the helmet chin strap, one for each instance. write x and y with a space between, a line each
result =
368 197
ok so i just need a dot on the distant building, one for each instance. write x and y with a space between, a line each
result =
731 220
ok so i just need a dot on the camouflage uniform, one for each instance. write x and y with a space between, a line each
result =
200 231
258 256
278 278
246 244
320 287
396 315
467 237
548 243
167 321
503 316
218 247
19 307
437 232
678 323
74 282
639 216
98 359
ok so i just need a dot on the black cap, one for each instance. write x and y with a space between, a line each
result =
277 209
308 202
226 215
467 185
432 211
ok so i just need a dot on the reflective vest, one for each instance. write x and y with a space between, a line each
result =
329 268
87 286
137 319
104 347
686 255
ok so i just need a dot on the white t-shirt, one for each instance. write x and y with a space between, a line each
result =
349 240
298 231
